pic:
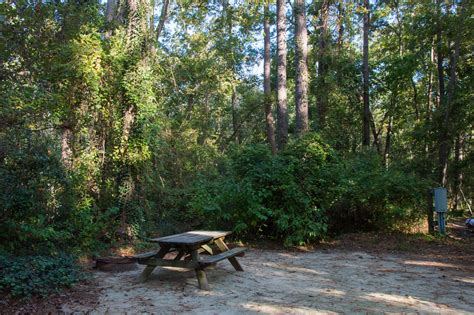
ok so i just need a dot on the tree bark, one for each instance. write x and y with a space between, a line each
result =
430 209
128 120
415 100
266 81
376 133
205 120
163 17
430 85
388 142
322 98
111 10
301 95
236 125
66 147
439 56
458 175
447 106
340 24
235 116
282 123
366 116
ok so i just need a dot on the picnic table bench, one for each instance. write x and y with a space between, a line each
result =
189 247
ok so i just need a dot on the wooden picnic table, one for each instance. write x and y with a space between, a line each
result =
189 247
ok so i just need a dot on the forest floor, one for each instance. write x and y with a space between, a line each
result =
358 273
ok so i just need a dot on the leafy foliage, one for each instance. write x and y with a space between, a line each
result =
108 134
258 194
298 195
24 276
364 195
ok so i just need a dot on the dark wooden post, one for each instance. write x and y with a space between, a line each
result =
430 209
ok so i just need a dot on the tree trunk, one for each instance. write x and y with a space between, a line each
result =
282 123
439 57
443 133
458 175
301 95
266 81
375 133
66 147
430 209
388 142
340 24
205 121
430 85
235 116
236 125
111 10
415 100
163 17
366 117
447 105
128 119
322 98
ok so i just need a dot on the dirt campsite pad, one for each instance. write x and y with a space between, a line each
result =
278 281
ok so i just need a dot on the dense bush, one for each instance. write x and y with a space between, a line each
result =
31 194
259 194
37 275
365 195
297 195
43 207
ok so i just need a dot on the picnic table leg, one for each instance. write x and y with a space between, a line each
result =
180 255
200 273
223 248
208 249
149 268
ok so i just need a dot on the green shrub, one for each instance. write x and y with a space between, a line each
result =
296 195
31 194
365 195
25 276
258 194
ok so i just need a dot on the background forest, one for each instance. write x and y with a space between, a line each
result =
283 121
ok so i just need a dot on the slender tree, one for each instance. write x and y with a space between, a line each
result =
301 39
110 10
340 23
322 98
234 99
365 75
266 79
163 17
282 122
447 102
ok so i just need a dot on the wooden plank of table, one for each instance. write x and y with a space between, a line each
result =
223 248
149 268
172 263
184 239
192 235
200 273
207 249
214 234
208 260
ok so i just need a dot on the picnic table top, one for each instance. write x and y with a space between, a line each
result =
191 238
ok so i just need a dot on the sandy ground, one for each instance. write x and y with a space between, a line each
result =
277 282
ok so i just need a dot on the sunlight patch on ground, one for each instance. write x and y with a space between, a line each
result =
312 283
289 255
425 263
332 292
294 269
280 309
469 280
407 301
